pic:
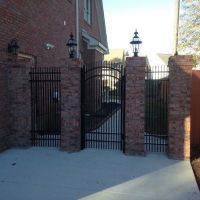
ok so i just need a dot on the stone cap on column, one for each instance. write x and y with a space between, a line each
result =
71 62
183 60
136 61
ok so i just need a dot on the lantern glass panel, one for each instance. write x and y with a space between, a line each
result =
15 50
71 46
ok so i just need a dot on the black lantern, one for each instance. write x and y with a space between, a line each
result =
71 46
135 44
13 46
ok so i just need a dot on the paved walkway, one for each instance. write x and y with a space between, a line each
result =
49 174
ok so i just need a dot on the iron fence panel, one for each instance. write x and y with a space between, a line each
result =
45 106
156 108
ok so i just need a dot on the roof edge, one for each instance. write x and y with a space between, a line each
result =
92 43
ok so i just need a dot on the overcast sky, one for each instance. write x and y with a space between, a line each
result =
154 20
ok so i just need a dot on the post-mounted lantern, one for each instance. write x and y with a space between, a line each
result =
71 46
136 44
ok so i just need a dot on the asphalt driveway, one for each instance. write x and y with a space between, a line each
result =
49 174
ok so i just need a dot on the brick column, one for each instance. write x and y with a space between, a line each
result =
19 102
180 82
71 104
135 106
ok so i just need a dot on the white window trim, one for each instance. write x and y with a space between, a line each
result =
92 43
87 11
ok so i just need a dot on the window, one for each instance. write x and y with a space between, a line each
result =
87 11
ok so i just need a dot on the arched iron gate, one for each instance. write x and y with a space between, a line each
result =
103 106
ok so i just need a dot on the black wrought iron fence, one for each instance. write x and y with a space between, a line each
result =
156 108
45 106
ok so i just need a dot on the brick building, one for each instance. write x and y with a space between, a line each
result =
38 23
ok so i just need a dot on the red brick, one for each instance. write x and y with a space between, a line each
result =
35 24
71 104
180 69
134 106
19 95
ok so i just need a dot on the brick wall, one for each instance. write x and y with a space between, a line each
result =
71 104
134 105
36 23
180 82
19 100
91 55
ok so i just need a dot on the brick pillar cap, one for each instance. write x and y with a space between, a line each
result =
71 61
135 58
136 61
184 60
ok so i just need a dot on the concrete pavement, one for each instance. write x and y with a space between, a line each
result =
49 174
108 135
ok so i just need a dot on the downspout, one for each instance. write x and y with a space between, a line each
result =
77 29
176 26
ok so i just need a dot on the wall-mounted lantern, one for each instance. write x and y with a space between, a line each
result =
136 44
13 46
71 46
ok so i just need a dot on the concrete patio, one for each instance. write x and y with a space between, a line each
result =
47 173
